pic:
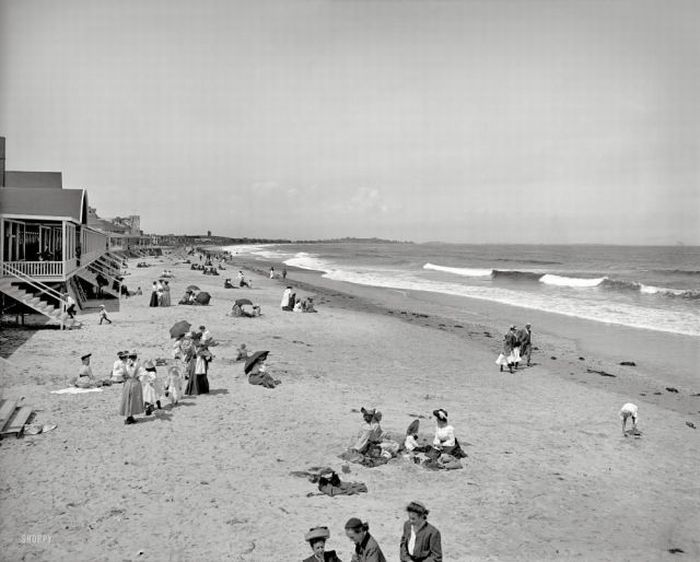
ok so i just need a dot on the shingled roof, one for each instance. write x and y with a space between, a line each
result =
44 202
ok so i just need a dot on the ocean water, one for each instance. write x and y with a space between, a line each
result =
656 288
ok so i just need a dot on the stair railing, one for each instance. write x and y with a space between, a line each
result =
14 272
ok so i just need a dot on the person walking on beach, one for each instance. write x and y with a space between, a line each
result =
366 548
515 345
504 358
103 315
70 306
420 542
272 273
284 273
524 336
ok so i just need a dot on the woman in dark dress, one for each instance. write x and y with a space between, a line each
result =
154 295
197 368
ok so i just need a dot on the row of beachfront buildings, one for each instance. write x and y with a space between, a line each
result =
53 244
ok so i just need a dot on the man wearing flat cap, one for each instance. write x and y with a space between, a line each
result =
420 541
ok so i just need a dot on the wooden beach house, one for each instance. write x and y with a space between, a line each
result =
47 248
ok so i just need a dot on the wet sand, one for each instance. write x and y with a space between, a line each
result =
549 474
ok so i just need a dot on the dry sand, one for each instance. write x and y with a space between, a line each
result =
549 475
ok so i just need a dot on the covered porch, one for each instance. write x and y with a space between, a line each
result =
47 250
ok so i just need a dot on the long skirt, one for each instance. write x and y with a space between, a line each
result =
154 299
262 379
197 384
132 398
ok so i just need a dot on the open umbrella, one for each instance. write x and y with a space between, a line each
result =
193 288
253 359
241 302
203 298
180 329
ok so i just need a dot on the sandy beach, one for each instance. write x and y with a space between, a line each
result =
549 475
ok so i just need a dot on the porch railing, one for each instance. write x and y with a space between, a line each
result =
43 269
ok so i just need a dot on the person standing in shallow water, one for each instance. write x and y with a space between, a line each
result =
420 542
366 548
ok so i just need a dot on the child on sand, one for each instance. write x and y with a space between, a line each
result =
173 386
242 352
103 315
629 410
150 387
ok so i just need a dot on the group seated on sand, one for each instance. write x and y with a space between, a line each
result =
291 303
374 447
238 310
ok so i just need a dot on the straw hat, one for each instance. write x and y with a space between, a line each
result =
317 533
440 414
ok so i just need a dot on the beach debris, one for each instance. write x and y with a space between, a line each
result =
13 417
581 358
690 424
553 358
672 389
458 326
628 363
601 373
696 394
658 393
676 551
488 334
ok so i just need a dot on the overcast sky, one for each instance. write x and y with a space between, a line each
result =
457 120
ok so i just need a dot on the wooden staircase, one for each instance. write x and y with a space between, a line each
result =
89 275
14 288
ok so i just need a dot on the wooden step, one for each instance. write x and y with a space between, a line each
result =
7 408
16 423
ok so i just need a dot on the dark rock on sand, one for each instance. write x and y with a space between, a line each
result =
672 389
628 363
581 358
691 425
601 373
676 550
553 358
